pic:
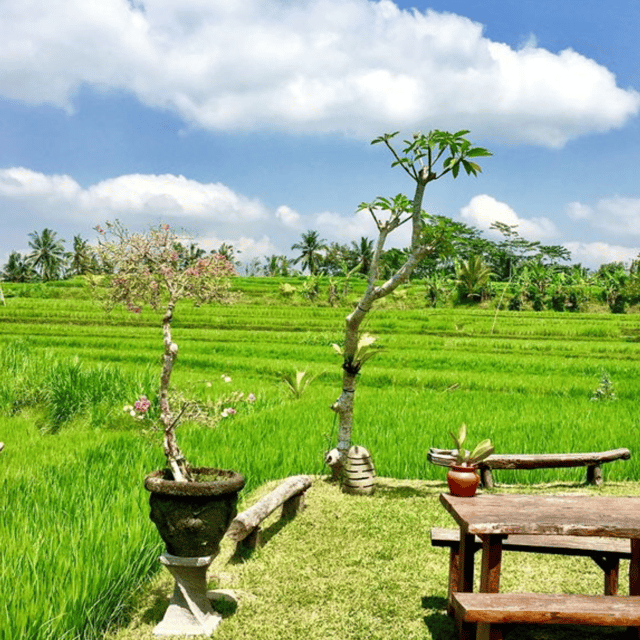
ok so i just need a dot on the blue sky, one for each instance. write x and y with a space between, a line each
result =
249 122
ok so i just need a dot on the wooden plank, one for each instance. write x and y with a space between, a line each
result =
568 514
544 608
552 544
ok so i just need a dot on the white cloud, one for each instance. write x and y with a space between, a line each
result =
617 216
483 210
212 212
288 216
344 229
354 66
163 195
594 254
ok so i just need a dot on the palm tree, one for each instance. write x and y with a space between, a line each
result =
48 255
83 259
472 276
363 252
17 269
311 248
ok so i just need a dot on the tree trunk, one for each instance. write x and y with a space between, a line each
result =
175 459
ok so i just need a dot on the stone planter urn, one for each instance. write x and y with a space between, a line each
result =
192 518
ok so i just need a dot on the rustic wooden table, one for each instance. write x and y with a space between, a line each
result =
494 516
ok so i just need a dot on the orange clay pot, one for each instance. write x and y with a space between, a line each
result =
463 481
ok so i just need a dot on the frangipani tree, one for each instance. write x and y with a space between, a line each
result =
148 271
425 158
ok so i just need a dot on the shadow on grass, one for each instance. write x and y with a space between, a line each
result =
396 490
440 625
243 553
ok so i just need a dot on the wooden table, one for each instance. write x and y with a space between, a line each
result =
493 516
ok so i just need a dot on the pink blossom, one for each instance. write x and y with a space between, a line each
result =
251 398
142 404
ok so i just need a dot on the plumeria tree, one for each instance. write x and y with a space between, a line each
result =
425 158
148 270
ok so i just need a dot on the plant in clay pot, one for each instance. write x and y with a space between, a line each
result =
192 507
462 477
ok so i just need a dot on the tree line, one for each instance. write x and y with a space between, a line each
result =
520 272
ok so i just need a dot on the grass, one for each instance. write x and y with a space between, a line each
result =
359 567
76 540
522 378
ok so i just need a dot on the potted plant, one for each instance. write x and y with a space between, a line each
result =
191 507
462 477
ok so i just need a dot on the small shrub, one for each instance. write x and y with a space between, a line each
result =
605 390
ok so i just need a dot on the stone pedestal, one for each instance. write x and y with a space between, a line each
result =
189 611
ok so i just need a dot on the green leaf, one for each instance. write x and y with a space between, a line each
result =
456 169
477 152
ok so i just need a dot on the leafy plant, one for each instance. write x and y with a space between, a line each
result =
297 382
605 390
364 351
466 458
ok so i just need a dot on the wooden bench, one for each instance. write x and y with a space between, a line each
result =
245 527
493 611
593 462
605 552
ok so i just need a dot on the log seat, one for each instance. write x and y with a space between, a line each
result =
592 461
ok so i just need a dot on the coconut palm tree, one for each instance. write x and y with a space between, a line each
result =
17 269
48 255
83 260
363 252
311 248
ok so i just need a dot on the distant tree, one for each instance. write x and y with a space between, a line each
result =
311 248
229 252
276 265
48 255
472 277
83 259
17 269
189 254
253 268
362 252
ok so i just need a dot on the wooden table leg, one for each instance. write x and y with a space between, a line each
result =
490 580
465 578
634 569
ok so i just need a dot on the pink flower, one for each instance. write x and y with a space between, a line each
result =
251 398
142 404
229 411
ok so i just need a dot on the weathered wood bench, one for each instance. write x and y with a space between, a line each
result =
605 552
496 610
245 527
593 462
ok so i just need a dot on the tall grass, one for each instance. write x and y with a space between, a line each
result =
76 540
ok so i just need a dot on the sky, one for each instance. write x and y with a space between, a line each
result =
249 122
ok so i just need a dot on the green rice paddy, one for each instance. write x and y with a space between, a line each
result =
74 531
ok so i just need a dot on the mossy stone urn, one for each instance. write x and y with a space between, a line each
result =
192 517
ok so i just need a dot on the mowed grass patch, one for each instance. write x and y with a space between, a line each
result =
362 567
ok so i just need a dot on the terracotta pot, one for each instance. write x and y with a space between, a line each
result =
192 517
463 481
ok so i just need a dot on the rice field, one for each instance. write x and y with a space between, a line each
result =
75 530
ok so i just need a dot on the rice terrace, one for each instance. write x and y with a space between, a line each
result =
79 554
